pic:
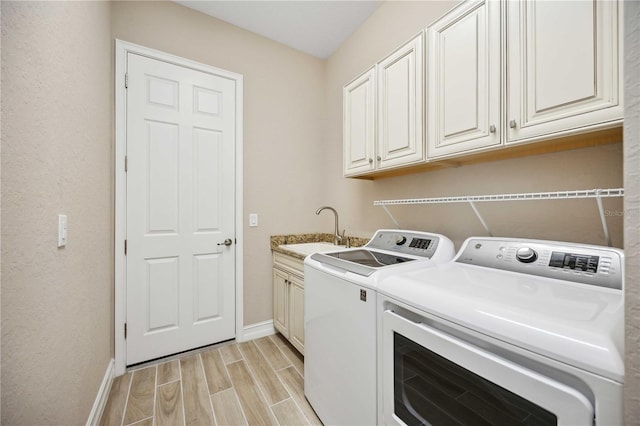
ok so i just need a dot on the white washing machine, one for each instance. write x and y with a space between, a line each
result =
510 332
340 319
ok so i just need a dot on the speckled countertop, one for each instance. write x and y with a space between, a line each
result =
278 240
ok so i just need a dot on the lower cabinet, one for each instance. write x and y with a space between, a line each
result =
288 298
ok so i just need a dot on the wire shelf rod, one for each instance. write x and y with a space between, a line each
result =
532 196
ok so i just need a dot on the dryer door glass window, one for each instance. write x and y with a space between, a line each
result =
429 389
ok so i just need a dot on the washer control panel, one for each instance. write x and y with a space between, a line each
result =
416 243
582 263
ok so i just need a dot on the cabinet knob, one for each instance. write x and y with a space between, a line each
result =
512 124
370 160
492 128
379 158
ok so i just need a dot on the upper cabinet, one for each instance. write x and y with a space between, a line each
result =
556 73
359 111
400 111
383 113
563 66
498 74
464 78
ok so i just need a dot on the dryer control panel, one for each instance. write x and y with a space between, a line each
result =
582 263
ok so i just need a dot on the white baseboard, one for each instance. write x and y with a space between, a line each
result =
257 330
103 395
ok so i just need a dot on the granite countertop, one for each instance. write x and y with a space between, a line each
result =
277 241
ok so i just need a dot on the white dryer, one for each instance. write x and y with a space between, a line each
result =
340 319
510 332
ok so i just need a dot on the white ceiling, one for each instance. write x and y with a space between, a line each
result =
317 27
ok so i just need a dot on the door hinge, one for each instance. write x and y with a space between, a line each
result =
126 80
126 164
125 247
125 330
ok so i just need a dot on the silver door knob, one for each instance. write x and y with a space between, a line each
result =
492 128
512 124
227 242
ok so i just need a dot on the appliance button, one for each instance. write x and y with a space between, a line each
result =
526 255
400 240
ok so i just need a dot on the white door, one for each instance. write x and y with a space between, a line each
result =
180 277
359 105
400 111
563 70
463 79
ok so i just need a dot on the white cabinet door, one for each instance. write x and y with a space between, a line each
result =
359 124
400 111
296 313
281 301
563 71
464 79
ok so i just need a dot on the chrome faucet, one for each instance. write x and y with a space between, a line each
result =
337 238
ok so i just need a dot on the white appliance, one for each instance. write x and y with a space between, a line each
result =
509 332
340 319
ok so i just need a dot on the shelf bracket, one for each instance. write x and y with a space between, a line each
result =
391 216
603 218
484 224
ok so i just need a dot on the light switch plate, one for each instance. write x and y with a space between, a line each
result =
253 219
62 230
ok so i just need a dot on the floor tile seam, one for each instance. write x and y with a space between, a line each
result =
184 414
291 363
260 390
290 391
140 421
244 416
155 397
279 343
168 383
140 393
206 384
235 360
267 359
251 371
126 401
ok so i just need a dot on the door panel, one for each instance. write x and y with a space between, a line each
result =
400 109
359 124
180 208
464 80
562 66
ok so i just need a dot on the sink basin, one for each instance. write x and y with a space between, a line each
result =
309 248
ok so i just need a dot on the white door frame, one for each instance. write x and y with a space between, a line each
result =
122 49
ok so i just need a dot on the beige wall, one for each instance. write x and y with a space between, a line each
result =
601 167
57 304
283 124
632 212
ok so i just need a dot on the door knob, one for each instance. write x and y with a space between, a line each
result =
227 242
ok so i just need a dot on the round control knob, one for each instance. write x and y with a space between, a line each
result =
400 240
526 255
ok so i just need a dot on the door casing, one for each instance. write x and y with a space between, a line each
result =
122 49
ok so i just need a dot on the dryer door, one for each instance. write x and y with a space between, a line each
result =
430 377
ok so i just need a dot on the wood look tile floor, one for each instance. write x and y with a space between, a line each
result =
259 382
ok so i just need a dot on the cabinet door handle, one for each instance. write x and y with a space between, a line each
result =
512 124
492 128
379 158
370 160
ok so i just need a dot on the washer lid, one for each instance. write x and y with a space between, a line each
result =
577 324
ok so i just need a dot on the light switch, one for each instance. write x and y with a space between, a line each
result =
253 219
62 230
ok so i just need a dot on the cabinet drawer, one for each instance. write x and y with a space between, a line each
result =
288 263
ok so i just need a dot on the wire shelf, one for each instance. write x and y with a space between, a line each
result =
531 196
598 194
